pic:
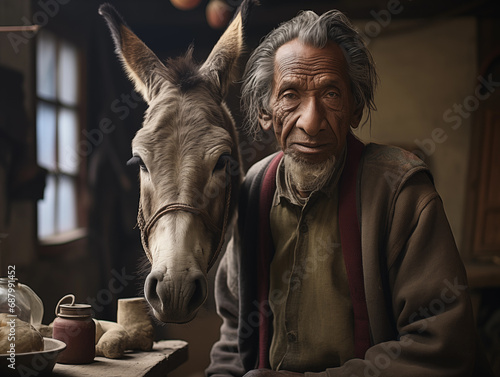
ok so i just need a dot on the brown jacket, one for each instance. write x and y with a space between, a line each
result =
419 308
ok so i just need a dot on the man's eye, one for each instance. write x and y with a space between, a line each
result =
137 161
332 94
289 96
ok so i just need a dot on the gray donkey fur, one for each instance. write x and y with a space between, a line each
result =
189 162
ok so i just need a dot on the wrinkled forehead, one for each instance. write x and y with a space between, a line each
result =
298 59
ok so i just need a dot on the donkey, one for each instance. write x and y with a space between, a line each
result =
187 151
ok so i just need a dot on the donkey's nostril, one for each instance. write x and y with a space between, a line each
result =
150 289
199 292
173 302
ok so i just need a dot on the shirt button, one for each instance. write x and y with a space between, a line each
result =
303 228
292 337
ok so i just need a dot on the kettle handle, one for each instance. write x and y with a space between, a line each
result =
36 306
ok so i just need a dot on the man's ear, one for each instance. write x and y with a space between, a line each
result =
265 121
356 118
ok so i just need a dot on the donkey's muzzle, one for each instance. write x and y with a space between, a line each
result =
176 296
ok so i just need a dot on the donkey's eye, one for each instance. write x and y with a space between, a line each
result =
137 161
222 161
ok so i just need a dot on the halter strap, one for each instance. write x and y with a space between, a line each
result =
146 227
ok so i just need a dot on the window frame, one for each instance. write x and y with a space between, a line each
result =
51 244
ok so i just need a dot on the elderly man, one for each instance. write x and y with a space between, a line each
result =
342 262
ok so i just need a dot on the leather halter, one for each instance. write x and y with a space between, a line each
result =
145 227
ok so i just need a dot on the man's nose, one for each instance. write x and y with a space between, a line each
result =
311 118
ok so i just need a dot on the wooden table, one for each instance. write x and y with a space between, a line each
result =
164 358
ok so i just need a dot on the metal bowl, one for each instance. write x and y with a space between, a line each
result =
39 363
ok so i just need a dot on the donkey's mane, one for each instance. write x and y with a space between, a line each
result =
183 71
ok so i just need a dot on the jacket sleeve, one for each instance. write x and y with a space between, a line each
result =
430 299
225 358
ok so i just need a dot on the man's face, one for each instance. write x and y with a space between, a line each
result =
312 104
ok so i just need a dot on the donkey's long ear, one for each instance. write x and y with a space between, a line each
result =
222 61
141 64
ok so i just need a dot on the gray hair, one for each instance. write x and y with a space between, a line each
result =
316 31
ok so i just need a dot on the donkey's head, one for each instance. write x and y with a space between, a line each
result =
189 163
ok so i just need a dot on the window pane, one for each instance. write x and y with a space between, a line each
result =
66 204
46 135
68 128
46 65
46 209
67 83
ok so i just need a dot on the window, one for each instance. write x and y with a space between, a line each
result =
57 130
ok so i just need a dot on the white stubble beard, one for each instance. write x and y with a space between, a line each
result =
308 177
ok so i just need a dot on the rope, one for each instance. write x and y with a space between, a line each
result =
146 227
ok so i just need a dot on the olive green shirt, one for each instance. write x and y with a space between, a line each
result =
309 293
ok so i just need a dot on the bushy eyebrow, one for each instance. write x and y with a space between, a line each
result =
295 83
331 83
287 84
